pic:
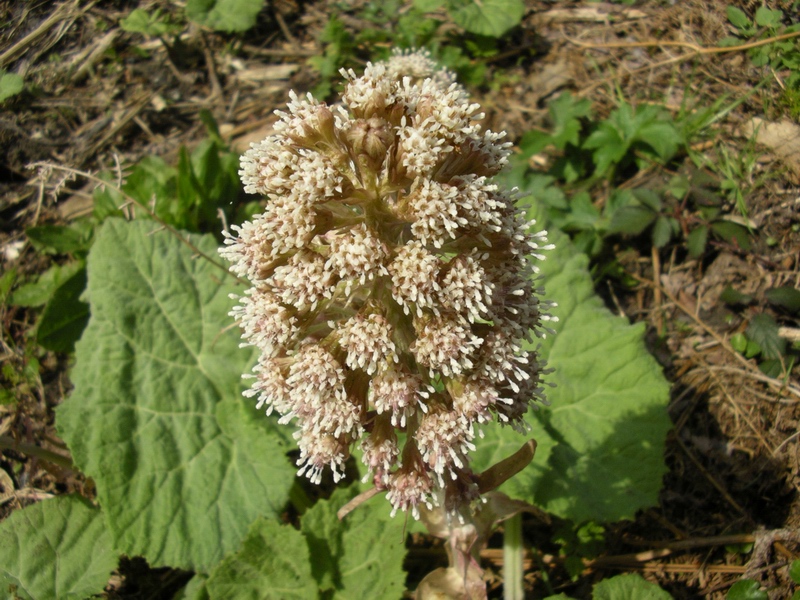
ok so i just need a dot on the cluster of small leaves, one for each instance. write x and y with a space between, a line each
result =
781 56
583 186
767 23
579 542
761 339
220 15
425 24
155 24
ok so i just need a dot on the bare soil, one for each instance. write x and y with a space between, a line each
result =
96 94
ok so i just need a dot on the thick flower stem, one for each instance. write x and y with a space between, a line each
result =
512 559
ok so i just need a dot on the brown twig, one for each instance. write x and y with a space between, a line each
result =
696 49
216 88
255 50
757 375
285 29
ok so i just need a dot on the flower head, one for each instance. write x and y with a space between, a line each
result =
392 281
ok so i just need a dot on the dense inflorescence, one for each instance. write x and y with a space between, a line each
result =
392 282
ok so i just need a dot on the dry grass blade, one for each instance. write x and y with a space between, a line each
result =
67 10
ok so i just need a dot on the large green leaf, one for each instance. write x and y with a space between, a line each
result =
225 15
182 464
486 17
630 586
58 548
601 442
65 316
360 556
273 564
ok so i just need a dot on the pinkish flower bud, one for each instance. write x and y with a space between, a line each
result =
392 282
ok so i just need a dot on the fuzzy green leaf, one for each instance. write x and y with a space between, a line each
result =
58 548
767 17
661 137
738 18
11 84
182 464
631 220
696 241
628 587
747 589
225 15
195 590
566 110
794 571
488 17
39 292
732 233
763 330
361 556
60 239
733 297
662 232
786 297
65 316
273 564
608 145
601 442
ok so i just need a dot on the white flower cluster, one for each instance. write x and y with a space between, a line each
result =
391 282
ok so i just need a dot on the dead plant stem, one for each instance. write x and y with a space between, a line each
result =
696 49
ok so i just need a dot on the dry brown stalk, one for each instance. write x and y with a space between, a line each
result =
696 49
62 11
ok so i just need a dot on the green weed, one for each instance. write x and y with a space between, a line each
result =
610 177
761 339
781 55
